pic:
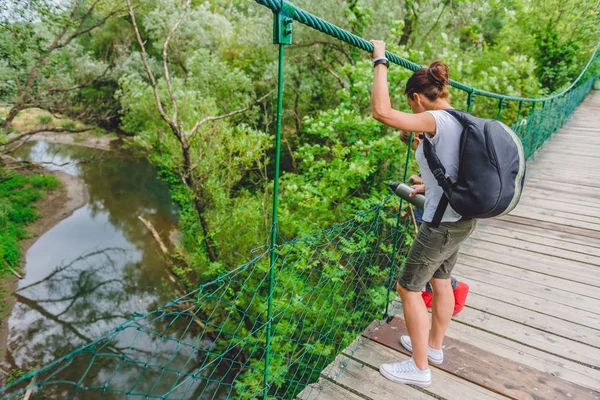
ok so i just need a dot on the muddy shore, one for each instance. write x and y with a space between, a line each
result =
57 205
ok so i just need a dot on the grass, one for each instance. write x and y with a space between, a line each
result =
34 117
18 194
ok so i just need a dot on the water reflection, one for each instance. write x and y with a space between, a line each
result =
92 271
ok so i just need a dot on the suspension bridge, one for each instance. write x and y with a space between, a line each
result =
314 317
531 327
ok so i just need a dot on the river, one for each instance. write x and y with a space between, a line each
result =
91 272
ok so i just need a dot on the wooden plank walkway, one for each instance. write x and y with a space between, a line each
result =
531 327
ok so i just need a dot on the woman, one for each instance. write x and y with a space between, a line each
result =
434 250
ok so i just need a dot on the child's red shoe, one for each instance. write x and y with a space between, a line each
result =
427 298
460 297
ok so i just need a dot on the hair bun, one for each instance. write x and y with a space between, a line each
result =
438 74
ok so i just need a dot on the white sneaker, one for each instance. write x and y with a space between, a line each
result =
434 356
406 372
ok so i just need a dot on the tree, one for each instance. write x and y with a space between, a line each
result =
45 48
196 156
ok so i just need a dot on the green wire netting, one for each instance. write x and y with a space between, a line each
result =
210 344
327 288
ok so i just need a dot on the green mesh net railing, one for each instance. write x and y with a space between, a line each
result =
268 328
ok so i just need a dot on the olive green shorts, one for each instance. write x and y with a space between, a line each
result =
434 253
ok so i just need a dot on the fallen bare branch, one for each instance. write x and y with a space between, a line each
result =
15 273
161 244
40 130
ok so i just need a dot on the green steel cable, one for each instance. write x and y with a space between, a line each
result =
332 30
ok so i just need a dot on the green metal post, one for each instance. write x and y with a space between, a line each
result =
469 101
500 106
519 111
282 35
397 232
529 132
542 130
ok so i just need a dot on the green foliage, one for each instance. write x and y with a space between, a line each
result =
556 60
336 159
67 124
98 132
45 119
18 194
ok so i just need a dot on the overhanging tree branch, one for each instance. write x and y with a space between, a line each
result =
39 130
166 58
144 57
80 86
229 114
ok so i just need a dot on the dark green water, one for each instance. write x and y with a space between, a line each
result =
92 271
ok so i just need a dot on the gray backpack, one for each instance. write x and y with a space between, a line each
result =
491 169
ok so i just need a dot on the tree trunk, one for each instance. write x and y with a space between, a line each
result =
408 29
198 202
6 125
410 22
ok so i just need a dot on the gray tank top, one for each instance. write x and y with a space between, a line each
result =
446 143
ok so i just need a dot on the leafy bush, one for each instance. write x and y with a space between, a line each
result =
67 124
45 119
18 194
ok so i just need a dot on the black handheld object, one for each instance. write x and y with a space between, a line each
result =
404 191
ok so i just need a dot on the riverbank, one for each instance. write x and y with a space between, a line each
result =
85 139
35 118
53 207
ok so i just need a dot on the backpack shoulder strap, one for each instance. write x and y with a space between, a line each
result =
461 116
439 172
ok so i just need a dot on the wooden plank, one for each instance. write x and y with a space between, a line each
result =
572 271
538 237
571 171
443 384
536 248
575 166
568 370
533 319
552 344
525 279
539 231
570 205
368 382
574 163
530 302
490 370
558 217
581 129
573 136
569 165
559 177
558 152
583 234
326 390
559 142
559 296
561 187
